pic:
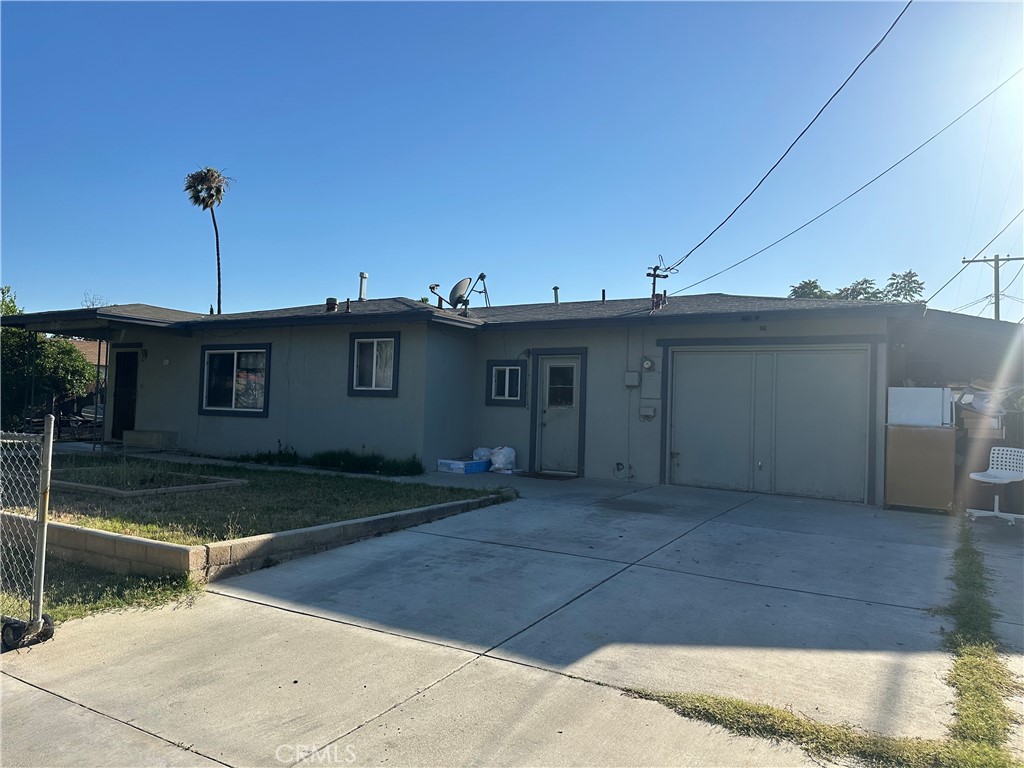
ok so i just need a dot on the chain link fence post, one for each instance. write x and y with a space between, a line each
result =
24 495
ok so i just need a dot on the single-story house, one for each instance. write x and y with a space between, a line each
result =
765 394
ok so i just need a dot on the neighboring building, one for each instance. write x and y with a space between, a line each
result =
763 394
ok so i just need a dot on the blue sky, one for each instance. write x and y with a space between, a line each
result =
544 144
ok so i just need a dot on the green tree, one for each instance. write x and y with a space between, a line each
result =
863 289
900 287
808 289
205 189
903 287
35 369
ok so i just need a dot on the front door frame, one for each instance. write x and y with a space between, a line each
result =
536 408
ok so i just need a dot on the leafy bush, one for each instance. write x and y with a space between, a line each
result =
342 461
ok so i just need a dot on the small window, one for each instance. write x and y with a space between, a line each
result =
373 365
560 385
506 382
234 380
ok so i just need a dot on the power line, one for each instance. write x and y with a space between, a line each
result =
857 191
970 261
800 136
1021 269
971 304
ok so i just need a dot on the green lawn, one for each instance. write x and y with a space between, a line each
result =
277 500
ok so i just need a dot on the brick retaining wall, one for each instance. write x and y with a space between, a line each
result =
118 553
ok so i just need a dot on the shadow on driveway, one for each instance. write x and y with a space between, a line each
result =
821 606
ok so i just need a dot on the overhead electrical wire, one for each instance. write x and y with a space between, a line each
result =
975 256
988 136
799 136
971 304
1019 270
857 191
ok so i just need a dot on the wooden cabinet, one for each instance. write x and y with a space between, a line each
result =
920 467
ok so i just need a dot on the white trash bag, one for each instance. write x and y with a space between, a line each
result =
503 457
479 454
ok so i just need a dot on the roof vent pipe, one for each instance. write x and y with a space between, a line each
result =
362 286
331 305
555 289
602 295
348 306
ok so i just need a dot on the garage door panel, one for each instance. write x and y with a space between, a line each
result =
783 420
821 406
711 426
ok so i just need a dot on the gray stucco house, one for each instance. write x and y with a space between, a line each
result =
766 394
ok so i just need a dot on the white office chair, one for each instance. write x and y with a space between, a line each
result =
1005 465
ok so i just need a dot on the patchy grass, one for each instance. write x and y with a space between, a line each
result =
342 461
129 476
73 591
982 683
980 679
830 742
269 502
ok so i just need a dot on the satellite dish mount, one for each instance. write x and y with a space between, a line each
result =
461 291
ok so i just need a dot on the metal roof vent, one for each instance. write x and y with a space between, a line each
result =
331 304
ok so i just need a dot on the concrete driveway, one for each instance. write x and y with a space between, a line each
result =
485 638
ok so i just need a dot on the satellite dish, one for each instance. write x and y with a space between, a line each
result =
459 292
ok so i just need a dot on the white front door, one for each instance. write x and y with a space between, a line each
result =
559 431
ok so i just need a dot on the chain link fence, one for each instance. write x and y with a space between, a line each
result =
24 503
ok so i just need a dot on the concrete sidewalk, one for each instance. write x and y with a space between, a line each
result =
492 638
235 683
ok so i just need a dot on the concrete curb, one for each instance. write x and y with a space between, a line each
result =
119 553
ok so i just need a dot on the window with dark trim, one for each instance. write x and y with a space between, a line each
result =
234 380
373 364
506 382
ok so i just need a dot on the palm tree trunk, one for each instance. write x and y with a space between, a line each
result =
216 237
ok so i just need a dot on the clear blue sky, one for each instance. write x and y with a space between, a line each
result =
543 144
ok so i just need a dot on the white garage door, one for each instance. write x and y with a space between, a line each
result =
779 420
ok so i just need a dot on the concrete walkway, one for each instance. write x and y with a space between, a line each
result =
492 638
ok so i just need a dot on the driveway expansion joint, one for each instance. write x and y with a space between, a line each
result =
521 546
785 589
190 748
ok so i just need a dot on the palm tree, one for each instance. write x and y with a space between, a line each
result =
206 188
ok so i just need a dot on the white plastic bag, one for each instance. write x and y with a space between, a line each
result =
480 454
503 457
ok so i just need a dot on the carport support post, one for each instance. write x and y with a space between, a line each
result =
42 510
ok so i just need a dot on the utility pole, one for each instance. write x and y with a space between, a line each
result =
994 262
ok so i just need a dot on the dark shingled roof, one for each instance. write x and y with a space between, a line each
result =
700 308
360 308
681 307
146 312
